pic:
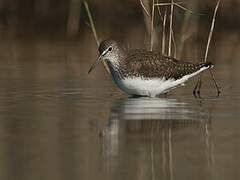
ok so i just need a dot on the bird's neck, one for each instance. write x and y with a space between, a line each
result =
117 59
114 70
115 66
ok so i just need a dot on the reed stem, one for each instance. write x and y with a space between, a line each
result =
91 22
152 26
164 32
211 31
170 30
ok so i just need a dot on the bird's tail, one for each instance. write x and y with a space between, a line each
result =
207 65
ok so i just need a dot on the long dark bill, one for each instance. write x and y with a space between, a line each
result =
95 63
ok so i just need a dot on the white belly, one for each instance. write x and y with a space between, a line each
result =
145 87
150 87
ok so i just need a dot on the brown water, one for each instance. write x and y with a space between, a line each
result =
57 122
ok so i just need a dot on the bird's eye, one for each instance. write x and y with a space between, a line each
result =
110 49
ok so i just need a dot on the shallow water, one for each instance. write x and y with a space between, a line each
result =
57 122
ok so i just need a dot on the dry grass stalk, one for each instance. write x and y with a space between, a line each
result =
176 4
171 34
170 30
168 4
158 8
91 22
174 45
163 19
163 32
211 31
94 31
152 24
144 8
147 18
163 4
171 42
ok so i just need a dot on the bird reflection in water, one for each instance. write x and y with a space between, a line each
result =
157 136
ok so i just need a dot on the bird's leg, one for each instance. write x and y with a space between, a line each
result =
196 90
199 87
215 83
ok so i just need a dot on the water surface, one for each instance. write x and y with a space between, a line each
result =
57 122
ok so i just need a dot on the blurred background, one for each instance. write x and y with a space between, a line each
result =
67 20
58 122
67 17
49 30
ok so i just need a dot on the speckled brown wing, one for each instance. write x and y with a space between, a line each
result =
147 64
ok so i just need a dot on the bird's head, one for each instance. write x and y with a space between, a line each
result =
109 50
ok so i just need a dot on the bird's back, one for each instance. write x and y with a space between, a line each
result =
148 64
